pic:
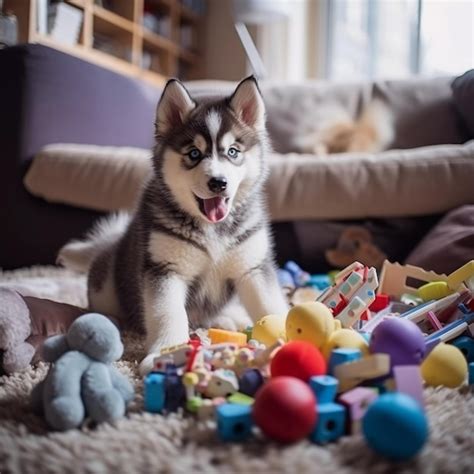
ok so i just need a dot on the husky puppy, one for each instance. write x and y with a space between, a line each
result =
199 239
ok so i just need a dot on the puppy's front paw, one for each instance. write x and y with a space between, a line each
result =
146 365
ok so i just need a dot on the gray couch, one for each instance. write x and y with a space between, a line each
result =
49 97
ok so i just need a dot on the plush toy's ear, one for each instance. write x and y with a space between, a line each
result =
173 108
248 104
54 347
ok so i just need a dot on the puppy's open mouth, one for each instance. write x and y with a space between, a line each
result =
215 209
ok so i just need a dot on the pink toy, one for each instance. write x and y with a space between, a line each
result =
357 401
408 380
298 359
285 409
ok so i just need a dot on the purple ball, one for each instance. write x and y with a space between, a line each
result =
401 339
250 381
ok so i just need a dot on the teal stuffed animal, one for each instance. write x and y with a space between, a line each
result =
81 381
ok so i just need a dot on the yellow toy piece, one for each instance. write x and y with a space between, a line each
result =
221 335
269 329
345 338
434 290
465 274
445 365
311 322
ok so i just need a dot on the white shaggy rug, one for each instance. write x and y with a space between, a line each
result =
142 442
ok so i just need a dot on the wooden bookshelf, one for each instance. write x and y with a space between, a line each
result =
115 37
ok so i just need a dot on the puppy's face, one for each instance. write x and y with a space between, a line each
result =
212 153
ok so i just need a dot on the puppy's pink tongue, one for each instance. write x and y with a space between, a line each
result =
215 209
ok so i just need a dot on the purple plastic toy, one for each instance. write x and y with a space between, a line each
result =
401 339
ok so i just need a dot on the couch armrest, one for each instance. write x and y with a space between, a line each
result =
46 97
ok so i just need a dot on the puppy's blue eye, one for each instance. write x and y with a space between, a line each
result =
195 154
233 152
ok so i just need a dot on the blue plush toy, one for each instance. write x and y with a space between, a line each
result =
82 382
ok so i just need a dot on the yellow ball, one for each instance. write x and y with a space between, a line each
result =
445 365
269 328
311 322
345 338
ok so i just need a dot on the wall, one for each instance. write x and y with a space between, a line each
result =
223 55
290 48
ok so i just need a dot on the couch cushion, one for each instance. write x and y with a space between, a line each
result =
423 108
94 177
395 183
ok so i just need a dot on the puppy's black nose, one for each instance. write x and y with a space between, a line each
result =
217 185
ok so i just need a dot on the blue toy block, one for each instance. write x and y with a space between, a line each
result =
300 277
285 278
324 387
234 422
341 356
175 393
471 373
320 281
466 345
331 423
154 392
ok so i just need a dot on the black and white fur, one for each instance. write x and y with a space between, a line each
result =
169 266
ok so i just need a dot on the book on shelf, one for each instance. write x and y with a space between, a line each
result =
64 23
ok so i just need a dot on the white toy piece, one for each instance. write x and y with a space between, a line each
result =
354 290
221 384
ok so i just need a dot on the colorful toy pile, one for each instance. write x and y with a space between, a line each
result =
353 360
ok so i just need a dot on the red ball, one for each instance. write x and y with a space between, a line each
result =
298 359
285 409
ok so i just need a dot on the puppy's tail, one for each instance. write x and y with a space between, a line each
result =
78 255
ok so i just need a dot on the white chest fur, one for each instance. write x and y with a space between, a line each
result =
219 262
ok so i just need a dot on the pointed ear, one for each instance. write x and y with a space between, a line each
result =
174 106
248 104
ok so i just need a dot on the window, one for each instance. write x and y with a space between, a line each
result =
396 38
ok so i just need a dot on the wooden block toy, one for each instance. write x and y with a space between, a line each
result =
360 300
434 290
234 422
471 373
434 321
190 381
324 388
470 330
396 279
375 365
419 313
411 300
206 409
451 330
408 380
193 404
175 392
154 396
162 362
357 401
381 302
465 274
351 313
221 335
221 384
240 399
466 345
331 423
342 356
345 272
